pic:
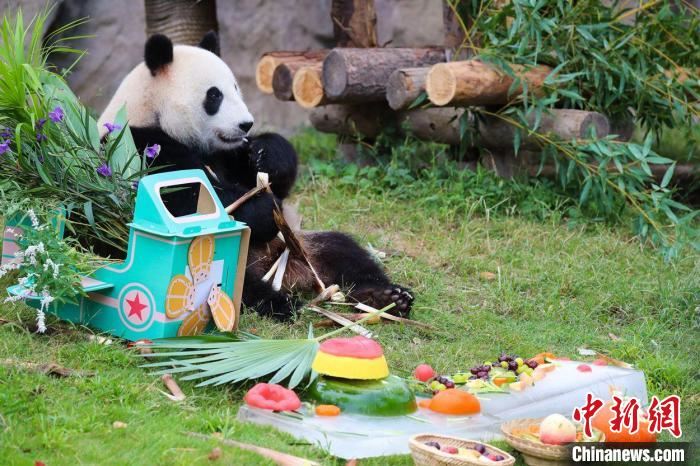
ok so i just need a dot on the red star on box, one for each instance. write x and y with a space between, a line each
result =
136 306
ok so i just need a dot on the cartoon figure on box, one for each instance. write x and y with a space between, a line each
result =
180 272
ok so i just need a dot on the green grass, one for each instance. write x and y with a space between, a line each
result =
560 282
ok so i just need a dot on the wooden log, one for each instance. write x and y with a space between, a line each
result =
564 124
354 23
351 120
283 76
308 88
442 125
404 87
361 75
465 83
433 124
268 63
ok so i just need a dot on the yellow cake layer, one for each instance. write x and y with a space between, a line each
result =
350 368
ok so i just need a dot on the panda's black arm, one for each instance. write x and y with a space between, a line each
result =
256 212
274 155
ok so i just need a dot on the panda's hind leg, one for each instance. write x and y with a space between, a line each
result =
339 259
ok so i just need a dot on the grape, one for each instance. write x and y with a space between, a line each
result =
433 444
449 384
473 377
513 366
482 373
502 357
474 370
532 364
480 448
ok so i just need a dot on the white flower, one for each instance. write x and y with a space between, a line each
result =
34 219
46 300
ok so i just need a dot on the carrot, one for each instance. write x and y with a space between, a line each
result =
327 410
425 403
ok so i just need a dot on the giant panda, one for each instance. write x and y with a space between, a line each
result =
187 100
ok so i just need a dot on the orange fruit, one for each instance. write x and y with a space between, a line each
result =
454 401
605 414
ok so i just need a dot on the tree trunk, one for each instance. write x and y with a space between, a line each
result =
361 75
404 87
454 30
183 21
466 83
354 23
307 87
283 76
265 69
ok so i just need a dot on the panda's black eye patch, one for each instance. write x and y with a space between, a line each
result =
212 102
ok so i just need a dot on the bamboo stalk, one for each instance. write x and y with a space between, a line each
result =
282 459
171 384
241 200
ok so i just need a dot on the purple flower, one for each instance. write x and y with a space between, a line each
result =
40 137
56 115
111 127
104 170
135 184
6 133
4 147
40 124
152 152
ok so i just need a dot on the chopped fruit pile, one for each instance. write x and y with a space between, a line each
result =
479 452
509 371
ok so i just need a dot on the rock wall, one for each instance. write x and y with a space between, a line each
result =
247 28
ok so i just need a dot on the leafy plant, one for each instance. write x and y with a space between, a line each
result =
644 70
50 148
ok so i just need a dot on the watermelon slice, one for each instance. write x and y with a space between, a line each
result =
356 347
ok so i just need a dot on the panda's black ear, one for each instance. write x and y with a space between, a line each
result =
158 52
210 42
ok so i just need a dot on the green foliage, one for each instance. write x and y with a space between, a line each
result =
645 71
53 154
412 170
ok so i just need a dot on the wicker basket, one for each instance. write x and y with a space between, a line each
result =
424 455
534 453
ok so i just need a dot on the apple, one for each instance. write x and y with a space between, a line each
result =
424 372
555 429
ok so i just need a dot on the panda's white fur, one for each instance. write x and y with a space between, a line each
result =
173 100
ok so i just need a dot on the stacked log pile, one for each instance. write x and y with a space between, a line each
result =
357 89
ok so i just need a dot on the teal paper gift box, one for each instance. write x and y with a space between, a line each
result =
178 271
